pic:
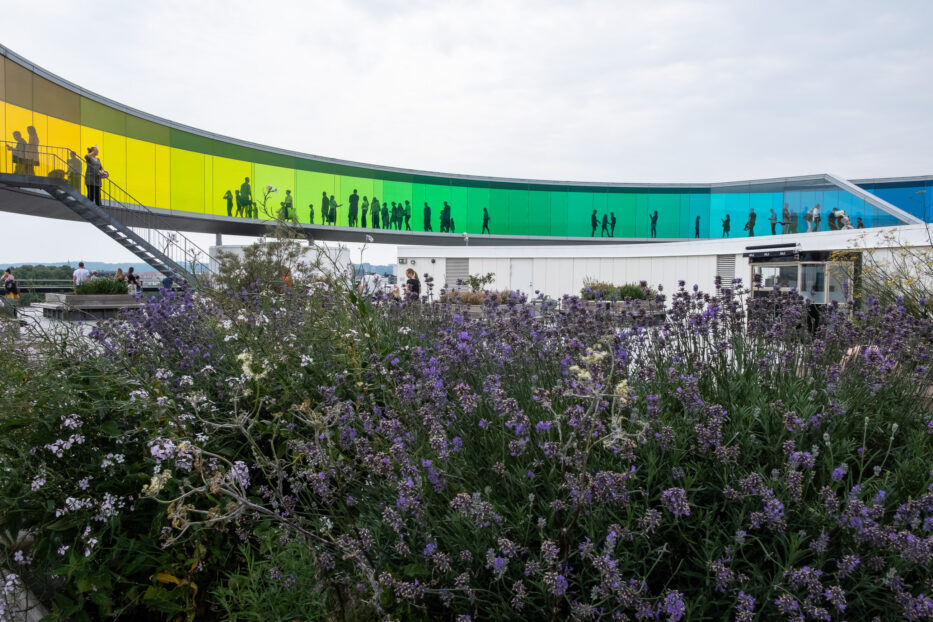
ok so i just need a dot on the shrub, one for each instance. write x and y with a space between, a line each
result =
599 290
101 286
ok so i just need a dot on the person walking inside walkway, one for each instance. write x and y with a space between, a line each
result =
486 221
725 226
612 224
94 174
654 223
774 221
750 224
427 217
604 232
594 220
785 217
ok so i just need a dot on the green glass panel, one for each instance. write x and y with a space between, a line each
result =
498 210
477 199
642 216
273 183
580 214
311 187
539 212
459 208
435 196
101 117
518 214
141 129
623 206
559 206
601 205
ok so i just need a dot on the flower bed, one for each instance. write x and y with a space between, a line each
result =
295 452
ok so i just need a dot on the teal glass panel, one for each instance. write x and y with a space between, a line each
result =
643 215
622 204
667 209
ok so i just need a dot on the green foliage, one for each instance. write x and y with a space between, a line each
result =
101 286
477 282
41 273
594 289
278 580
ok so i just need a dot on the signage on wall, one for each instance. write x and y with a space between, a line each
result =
402 260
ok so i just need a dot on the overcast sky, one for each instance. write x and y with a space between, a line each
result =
613 91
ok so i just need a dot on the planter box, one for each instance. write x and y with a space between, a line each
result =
90 307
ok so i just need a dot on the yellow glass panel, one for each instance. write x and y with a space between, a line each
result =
17 119
89 138
141 170
228 176
163 177
113 157
187 177
67 136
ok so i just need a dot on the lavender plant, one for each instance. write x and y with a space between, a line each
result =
731 462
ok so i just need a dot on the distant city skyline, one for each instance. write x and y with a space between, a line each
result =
602 91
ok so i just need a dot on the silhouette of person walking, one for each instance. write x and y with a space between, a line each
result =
239 204
376 213
365 209
725 226
445 219
595 222
353 209
750 225
612 224
19 154
654 224
311 213
385 216
32 151
332 216
325 208
605 230
486 221
696 228
773 220
407 216
228 197
785 217
427 217
74 170
246 195
94 174
288 212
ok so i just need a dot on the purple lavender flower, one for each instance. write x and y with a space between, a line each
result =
674 501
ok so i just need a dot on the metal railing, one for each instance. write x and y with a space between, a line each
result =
65 164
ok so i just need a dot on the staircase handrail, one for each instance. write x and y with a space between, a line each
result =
193 255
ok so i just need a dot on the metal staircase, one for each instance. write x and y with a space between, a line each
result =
128 222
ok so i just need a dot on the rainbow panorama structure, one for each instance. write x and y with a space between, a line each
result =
166 177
